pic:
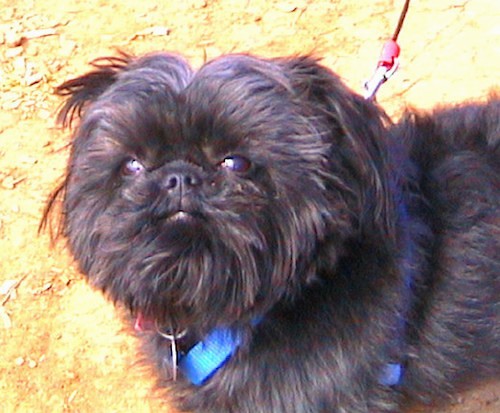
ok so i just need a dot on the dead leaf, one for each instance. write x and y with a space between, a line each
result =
33 79
152 31
286 7
199 4
7 286
9 182
36 34
72 396
13 52
5 318
44 288
10 287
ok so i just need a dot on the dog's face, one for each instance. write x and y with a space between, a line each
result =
201 198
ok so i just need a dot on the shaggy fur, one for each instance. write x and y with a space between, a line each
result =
257 188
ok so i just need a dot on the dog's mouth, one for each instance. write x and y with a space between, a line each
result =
180 216
144 324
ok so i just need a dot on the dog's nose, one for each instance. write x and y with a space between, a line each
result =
182 181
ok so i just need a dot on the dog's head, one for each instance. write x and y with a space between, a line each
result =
201 198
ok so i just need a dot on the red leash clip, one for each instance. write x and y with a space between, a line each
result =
387 65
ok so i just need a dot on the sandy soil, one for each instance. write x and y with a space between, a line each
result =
62 347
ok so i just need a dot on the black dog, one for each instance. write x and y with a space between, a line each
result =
281 243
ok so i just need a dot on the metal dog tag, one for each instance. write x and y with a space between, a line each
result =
173 348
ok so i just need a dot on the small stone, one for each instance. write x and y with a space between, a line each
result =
72 396
7 286
33 79
71 375
152 31
199 4
13 39
28 160
8 182
286 7
13 52
12 104
67 47
19 64
4 317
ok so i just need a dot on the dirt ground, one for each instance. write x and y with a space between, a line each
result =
63 348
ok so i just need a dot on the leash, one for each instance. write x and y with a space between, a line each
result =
388 61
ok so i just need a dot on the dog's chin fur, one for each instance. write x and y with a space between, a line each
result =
257 188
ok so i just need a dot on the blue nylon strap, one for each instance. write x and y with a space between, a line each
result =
206 357
391 375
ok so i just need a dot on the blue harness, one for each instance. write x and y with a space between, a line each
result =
209 355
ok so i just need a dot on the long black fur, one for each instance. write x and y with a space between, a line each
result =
358 242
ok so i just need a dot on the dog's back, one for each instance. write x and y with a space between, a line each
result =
455 338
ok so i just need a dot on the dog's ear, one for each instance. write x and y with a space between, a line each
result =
360 135
85 89
80 92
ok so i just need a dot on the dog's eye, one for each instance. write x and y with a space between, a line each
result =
236 163
131 167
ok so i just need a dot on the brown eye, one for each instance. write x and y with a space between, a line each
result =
236 163
132 167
